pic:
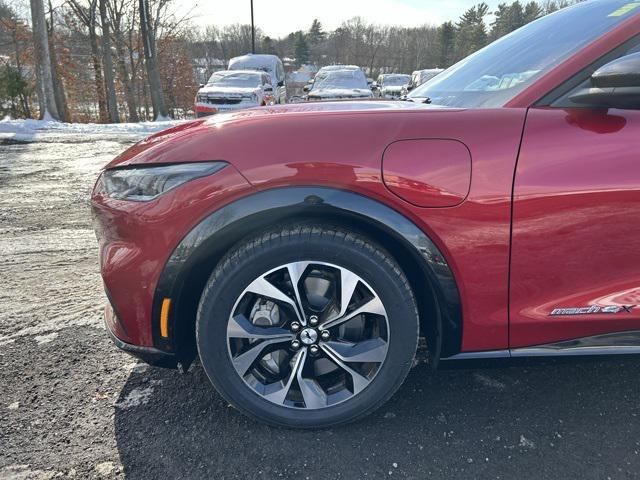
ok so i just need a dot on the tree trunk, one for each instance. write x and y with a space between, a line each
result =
48 108
107 59
126 79
97 73
58 87
149 47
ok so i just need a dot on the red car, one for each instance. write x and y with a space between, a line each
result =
301 250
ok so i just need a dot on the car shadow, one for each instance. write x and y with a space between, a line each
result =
563 418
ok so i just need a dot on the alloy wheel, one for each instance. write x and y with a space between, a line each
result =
308 335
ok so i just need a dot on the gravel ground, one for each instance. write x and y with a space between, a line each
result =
72 406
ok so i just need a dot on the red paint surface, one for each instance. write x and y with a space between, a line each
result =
576 228
342 148
428 172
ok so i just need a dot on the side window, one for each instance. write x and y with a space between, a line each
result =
280 72
559 97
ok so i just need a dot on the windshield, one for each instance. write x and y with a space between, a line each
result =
396 80
340 79
245 80
494 75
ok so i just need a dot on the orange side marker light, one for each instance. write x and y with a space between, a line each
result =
164 318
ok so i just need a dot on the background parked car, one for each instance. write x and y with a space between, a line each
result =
234 90
339 84
329 68
266 63
390 85
421 76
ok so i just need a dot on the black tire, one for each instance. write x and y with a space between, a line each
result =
253 258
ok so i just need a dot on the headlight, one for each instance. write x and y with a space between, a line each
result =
148 182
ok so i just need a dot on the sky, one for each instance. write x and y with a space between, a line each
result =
277 18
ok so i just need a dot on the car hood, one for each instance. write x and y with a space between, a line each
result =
196 140
231 91
392 89
340 92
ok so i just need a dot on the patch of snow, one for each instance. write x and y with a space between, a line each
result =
137 397
50 130
135 367
50 337
14 406
526 443
24 472
105 469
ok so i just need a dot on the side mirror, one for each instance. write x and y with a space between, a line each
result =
614 85
374 86
201 85
409 87
281 83
306 88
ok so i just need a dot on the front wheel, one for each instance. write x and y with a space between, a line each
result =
307 327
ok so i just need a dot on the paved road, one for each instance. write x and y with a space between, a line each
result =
74 407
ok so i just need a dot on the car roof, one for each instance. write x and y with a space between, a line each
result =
230 72
255 56
329 68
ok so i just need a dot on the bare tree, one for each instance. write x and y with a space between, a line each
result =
117 11
107 60
46 98
147 30
88 16
58 87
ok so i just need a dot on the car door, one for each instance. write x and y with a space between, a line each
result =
575 258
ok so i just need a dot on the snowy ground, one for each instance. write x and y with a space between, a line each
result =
72 406
51 131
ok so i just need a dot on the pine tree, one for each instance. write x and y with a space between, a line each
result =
471 33
316 34
446 41
532 11
268 46
301 49
13 87
507 19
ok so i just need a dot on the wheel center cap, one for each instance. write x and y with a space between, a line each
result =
308 336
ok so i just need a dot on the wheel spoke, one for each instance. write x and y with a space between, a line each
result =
240 327
243 362
296 270
312 393
348 283
374 350
279 390
359 381
373 306
261 286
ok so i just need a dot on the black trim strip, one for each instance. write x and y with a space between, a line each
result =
277 205
617 343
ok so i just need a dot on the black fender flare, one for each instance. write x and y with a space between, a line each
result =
266 208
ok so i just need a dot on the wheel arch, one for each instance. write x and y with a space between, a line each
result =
191 263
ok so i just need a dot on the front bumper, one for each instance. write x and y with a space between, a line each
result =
203 109
137 238
150 355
